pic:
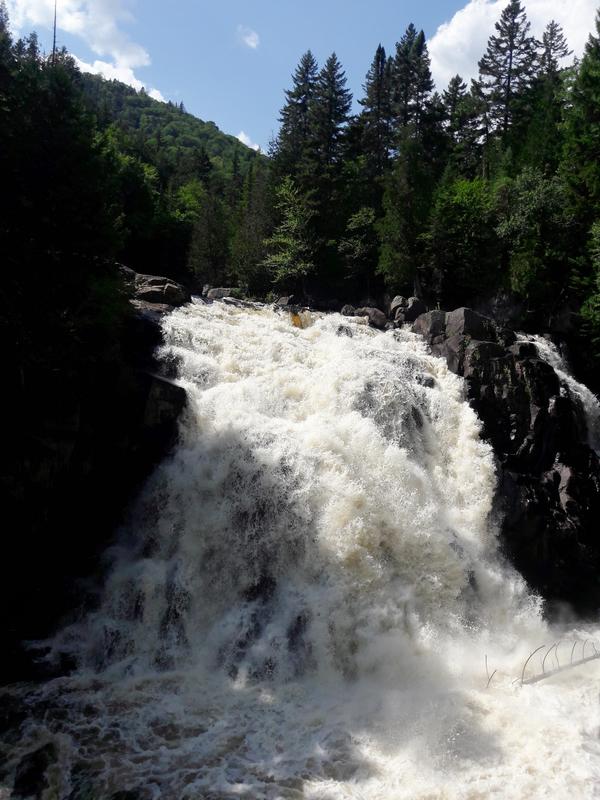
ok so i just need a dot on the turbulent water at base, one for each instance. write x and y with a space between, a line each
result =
588 401
303 601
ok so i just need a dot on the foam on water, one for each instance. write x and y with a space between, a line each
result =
588 401
304 598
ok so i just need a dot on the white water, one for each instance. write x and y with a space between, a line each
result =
549 353
303 602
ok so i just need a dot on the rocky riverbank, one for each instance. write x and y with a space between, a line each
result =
549 488
79 447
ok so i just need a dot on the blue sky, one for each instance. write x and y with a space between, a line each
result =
230 62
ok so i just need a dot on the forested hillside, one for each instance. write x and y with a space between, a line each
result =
487 194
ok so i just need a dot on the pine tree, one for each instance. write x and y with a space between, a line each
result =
581 163
252 228
403 76
554 49
411 81
292 141
463 110
376 117
290 249
508 67
6 53
328 113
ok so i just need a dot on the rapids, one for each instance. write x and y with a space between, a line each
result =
304 596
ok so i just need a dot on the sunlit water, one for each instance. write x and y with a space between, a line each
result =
588 401
302 604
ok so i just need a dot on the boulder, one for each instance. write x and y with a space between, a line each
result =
348 311
397 302
220 293
285 301
414 308
465 322
431 325
31 778
157 289
377 319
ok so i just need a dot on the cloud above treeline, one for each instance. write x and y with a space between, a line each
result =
458 44
248 37
245 139
98 23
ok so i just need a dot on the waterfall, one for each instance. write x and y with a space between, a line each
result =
304 596
586 399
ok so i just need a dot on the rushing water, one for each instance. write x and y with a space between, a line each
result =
303 601
588 401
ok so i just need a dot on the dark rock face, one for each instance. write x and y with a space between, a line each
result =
86 444
549 488
30 778
377 319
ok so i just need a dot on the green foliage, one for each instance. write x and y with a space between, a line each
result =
359 246
508 66
175 142
534 230
290 250
462 247
590 311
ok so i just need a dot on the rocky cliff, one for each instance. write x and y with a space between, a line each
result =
549 490
79 443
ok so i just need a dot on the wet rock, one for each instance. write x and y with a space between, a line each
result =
344 330
549 488
377 319
397 303
220 293
465 322
157 289
348 311
286 301
31 778
431 325
414 308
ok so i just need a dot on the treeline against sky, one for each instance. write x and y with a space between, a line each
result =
456 195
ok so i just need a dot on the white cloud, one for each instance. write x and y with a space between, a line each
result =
458 44
248 37
245 139
99 23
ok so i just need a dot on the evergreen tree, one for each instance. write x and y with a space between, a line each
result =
508 66
290 250
293 140
581 164
358 249
6 53
328 114
554 49
463 111
248 250
411 79
376 117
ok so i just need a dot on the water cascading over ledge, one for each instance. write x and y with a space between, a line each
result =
302 602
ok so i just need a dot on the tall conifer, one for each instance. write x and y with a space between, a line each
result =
508 66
